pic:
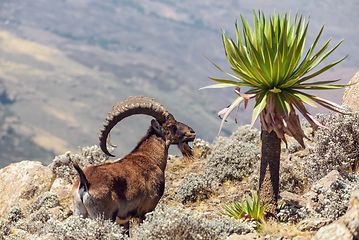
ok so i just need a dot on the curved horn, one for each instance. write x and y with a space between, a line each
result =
129 107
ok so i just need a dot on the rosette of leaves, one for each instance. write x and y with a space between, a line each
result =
267 60
270 63
250 208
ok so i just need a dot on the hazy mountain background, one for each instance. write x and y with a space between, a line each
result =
63 64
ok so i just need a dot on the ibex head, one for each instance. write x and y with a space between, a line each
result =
164 124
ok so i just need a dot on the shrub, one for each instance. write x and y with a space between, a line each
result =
79 228
233 161
62 164
232 158
72 228
45 200
201 148
193 188
5 228
334 149
14 213
246 134
41 215
292 177
175 223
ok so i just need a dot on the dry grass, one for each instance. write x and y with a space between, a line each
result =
283 229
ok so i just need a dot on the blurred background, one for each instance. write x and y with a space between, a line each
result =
64 64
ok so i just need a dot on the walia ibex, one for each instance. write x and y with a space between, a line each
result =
131 186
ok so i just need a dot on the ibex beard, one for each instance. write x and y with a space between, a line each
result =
131 186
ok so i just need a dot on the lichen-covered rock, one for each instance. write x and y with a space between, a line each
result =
313 224
351 218
61 188
350 97
335 231
293 199
347 227
248 236
21 182
334 149
328 180
330 196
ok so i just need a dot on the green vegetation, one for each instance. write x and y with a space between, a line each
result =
251 208
270 62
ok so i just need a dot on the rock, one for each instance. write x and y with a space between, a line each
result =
313 203
314 200
216 201
62 188
299 238
334 231
275 237
350 97
351 218
22 182
347 227
248 236
326 181
313 224
293 199
59 213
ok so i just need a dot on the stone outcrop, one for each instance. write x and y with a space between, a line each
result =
293 199
351 94
315 200
313 224
22 182
347 227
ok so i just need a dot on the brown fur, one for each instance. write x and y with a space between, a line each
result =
133 185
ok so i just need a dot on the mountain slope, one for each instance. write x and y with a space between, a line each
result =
65 63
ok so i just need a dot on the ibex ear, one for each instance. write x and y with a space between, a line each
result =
157 127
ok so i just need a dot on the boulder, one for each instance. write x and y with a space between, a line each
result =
334 231
293 199
62 188
328 180
22 182
313 224
314 200
350 97
248 236
347 227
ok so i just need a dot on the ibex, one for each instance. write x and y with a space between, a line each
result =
131 186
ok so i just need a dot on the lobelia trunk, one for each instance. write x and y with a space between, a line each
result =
269 172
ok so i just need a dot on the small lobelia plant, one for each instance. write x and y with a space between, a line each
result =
270 62
251 208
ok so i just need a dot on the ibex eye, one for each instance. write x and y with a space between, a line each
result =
147 160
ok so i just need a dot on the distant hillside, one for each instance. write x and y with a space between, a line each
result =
64 64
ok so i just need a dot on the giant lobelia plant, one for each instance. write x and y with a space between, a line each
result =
269 62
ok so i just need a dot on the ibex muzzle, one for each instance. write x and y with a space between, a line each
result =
132 186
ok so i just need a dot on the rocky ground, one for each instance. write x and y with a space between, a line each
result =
317 189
